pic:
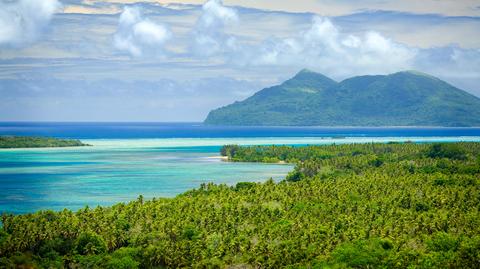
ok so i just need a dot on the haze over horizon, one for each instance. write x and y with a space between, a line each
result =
155 60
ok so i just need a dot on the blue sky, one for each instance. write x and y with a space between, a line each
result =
155 60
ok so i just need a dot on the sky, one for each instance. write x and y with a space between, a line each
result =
171 60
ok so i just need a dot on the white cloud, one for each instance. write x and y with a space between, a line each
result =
455 64
137 35
325 48
21 21
208 34
255 45
336 7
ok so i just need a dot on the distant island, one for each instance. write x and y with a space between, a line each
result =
37 142
406 98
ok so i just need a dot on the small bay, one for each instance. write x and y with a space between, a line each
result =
167 160
34 179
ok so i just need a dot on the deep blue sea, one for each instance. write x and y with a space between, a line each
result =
158 159
198 130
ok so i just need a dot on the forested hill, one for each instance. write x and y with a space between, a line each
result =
343 206
310 99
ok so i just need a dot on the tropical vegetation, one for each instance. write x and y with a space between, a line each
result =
310 99
343 206
37 142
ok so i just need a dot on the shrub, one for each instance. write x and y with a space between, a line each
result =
420 206
377 162
368 253
450 151
442 182
469 253
294 176
90 243
55 245
126 262
124 258
190 233
244 185
443 242
229 150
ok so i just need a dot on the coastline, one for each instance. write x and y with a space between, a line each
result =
172 143
223 158
273 140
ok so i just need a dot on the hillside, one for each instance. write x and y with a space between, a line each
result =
310 99
343 206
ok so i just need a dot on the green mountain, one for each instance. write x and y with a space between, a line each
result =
407 98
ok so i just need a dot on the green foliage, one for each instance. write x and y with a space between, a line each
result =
311 99
55 247
339 208
90 243
124 258
443 241
442 182
369 253
451 151
469 253
4 237
377 162
294 176
36 142
18 260
229 150
244 185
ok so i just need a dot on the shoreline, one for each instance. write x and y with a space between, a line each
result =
223 158
100 144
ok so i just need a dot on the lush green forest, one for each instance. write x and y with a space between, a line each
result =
37 142
344 206
310 99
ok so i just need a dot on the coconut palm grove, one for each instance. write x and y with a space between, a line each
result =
343 206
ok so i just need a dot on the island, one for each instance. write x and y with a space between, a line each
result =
407 98
392 205
37 142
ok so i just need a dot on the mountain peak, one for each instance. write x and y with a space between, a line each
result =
305 70
309 79
307 74
304 73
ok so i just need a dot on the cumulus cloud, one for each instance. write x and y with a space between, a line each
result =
22 21
455 64
323 46
208 34
137 35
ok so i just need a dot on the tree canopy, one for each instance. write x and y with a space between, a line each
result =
37 142
343 206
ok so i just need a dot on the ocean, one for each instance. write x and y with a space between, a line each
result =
158 159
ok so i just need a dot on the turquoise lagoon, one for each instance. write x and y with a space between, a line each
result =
119 170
